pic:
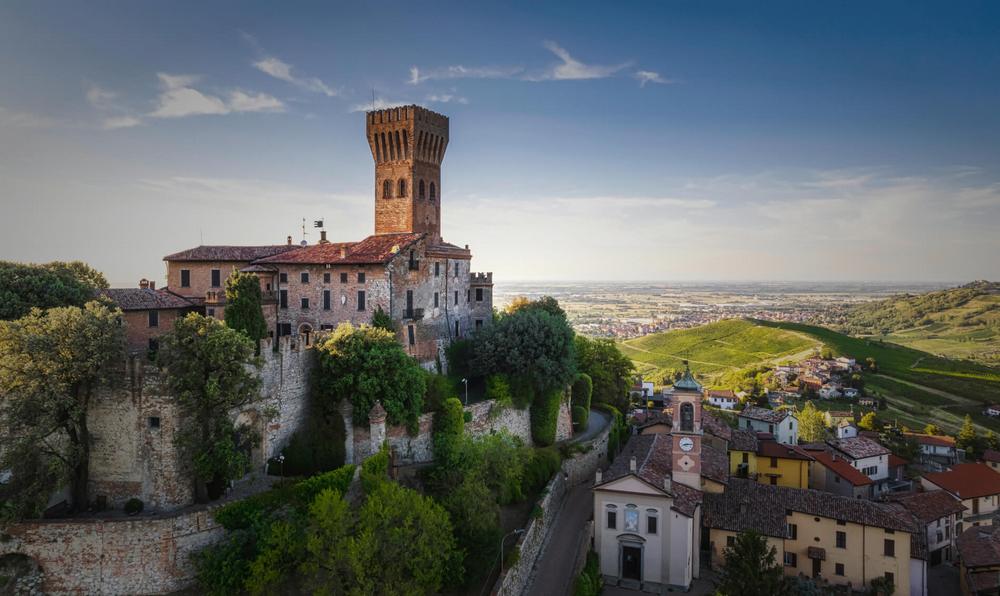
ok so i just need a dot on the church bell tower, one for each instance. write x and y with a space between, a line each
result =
686 432
408 145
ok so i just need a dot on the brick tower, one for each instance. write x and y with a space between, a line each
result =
686 432
408 145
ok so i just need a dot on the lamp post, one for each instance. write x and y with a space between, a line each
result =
281 461
518 531
466 383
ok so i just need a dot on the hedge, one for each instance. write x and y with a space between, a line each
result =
544 417
583 390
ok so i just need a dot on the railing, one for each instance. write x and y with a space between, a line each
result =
414 314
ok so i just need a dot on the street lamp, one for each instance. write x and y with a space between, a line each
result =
466 382
518 531
281 461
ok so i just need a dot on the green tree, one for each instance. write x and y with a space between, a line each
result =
812 423
610 371
25 286
206 366
382 320
932 429
366 364
545 417
545 303
583 391
991 440
868 421
968 438
750 568
243 305
51 364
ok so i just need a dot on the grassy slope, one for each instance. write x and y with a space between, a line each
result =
714 348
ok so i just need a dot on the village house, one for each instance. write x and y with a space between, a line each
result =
846 429
830 391
724 399
938 513
937 450
647 506
782 424
867 402
147 314
991 458
835 417
841 540
834 474
979 553
993 410
868 456
759 457
976 485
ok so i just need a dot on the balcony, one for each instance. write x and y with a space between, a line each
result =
413 314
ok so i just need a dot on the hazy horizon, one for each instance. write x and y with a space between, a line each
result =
720 141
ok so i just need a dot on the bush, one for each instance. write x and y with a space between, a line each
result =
521 393
450 419
539 469
439 389
619 429
544 417
498 389
580 418
375 470
133 506
222 568
589 582
338 480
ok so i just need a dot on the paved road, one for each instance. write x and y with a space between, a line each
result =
553 573
596 423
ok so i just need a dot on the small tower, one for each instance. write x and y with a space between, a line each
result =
408 145
376 426
686 431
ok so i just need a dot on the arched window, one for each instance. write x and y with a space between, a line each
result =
422 195
687 417
387 189
433 192
402 188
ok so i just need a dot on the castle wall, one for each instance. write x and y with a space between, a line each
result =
343 295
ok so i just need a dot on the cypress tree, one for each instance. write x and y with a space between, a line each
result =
243 305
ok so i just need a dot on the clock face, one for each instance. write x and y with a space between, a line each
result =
687 444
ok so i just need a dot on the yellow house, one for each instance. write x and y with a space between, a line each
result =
767 461
821 535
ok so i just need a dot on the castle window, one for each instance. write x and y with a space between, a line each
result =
406 146
361 300
305 304
283 298
361 277
687 417
479 294
283 278
343 278
154 347
456 300
326 299
456 329
154 318
304 277
216 278
402 187
411 338
326 278
399 147
387 189
154 422
421 190
436 300
437 268
185 278
479 324
433 193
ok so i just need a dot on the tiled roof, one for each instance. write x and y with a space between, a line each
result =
687 382
725 393
713 425
841 467
449 250
895 460
763 414
743 440
144 299
930 506
772 448
373 249
652 418
939 440
840 414
979 546
858 447
229 253
714 464
747 504
967 481
653 455
991 455
258 269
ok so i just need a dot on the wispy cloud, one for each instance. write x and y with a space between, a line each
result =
458 71
649 76
571 69
116 122
115 114
283 71
15 119
446 98
378 104
180 99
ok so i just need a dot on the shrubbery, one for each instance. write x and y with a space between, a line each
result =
579 418
544 417
583 390
589 582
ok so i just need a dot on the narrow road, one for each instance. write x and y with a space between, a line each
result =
553 572
962 401
596 423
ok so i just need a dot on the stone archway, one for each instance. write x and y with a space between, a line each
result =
306 331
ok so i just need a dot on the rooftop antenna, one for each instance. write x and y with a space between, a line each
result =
304 233
373 99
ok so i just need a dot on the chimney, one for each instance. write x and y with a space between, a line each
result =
600 476
144 284
631 464
322 237
667 484
152 285
343 252
289 241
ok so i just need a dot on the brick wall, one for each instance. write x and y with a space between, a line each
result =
201 276
137 329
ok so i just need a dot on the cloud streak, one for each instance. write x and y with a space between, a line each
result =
283 71
179 99
649 76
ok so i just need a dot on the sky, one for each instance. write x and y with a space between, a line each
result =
658 141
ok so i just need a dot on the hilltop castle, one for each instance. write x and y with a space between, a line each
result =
405 268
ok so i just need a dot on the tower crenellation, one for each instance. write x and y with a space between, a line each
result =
408 144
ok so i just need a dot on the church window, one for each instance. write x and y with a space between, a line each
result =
433 193
652 520
687 417
631 519
612 517
402 187
421 187
387 189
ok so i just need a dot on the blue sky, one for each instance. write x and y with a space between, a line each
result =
656 141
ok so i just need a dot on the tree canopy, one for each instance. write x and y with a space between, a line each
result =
207 371
812 424
366 364
243 305
610 371
751 568
24 286
51 364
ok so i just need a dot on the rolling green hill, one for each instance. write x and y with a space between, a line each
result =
962 322
716 347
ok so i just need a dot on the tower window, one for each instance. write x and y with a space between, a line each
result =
216 278
402 188
387 189
433 192
421 190
185 278
479 294
687 417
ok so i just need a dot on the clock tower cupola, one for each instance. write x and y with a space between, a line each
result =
686 431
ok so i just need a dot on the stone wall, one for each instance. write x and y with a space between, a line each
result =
581 468
148 555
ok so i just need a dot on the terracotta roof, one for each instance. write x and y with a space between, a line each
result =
229 253
858 447
991 455
651 418
930 506
763 414
258 269
447 249
840 414
984 581
979 546
743 440
144 299
747 504
714 464
713 425
895 460
373 249
772 448
841 467
967 481
726 393
939 440
653 454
